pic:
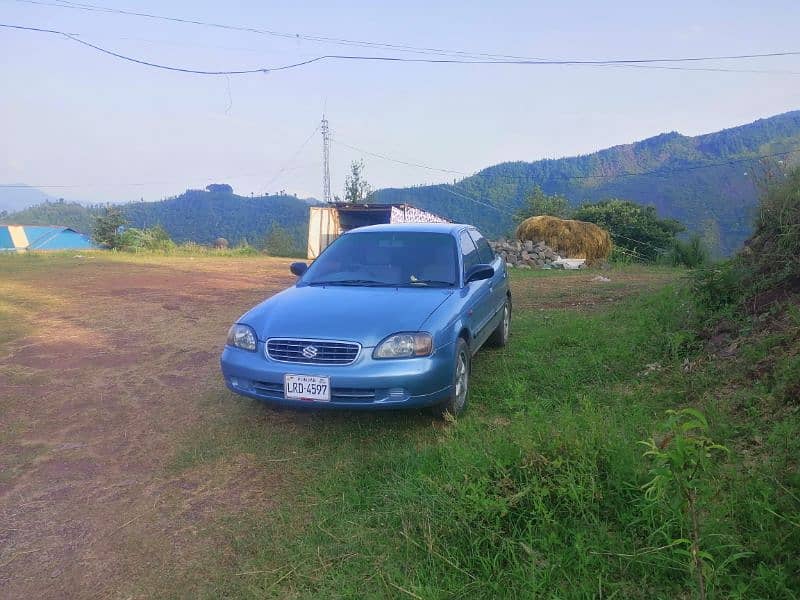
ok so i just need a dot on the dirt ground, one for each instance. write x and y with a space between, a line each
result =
94 401
105 363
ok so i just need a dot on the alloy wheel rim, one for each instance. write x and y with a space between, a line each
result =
462 375
506 321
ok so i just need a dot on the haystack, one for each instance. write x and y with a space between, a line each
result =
571 239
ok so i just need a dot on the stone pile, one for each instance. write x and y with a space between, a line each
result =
527 255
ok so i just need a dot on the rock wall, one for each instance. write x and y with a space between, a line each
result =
526 255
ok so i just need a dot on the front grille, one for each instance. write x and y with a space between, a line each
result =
312 352
275 391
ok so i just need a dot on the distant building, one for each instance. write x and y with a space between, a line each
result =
326 223
20 238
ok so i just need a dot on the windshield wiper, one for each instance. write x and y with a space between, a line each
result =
430 282
356 282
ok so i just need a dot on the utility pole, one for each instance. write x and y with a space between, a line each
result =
326 160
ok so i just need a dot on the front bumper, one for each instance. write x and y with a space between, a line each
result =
365 384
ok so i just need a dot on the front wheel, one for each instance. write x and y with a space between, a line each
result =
456 403
499 337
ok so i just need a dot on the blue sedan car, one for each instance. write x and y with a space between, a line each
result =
388 316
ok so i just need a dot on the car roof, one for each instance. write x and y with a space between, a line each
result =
449 228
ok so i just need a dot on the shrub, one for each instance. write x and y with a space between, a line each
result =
692 253
634 227
152 239
776 242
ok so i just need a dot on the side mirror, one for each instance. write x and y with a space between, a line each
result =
298 268
479 273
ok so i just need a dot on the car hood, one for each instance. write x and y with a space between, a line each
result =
360 314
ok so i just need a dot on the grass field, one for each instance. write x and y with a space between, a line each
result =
129 471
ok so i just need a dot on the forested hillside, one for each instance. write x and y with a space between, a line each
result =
203 216
706 182
196 215
703 181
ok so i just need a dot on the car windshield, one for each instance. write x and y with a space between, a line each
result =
387 258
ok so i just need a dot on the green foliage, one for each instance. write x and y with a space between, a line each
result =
770 264
221 188
202 216
777 234
105 230
633 227
692 253
702 181
538 203
196 215
681 480
153 239
356 188
278 242
69 214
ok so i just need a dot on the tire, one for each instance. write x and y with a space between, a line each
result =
456 404
499 337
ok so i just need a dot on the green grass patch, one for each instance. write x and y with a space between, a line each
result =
538 490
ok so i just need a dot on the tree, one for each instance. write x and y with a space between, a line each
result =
538 203
356 188
221 188
278 242
635 228
106 227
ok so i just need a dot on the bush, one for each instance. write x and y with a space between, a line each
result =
692 253
769 266
718 286
279 242
152 239
634 227
776 242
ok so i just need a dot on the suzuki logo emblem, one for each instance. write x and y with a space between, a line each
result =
310 352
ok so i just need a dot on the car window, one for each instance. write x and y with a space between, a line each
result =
485 251
469 252
387 258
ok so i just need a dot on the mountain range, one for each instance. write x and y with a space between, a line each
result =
705 181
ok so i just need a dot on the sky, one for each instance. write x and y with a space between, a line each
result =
84 125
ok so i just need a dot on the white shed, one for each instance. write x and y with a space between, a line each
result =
326 223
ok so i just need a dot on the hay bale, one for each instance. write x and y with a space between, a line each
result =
571 239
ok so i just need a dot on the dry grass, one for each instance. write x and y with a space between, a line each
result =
573 239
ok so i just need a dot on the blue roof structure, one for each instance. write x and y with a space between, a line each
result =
19 238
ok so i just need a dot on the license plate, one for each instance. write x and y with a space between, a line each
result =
307 387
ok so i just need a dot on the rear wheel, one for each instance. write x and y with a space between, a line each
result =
499 337
456 403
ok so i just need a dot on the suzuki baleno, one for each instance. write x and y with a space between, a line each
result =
388 316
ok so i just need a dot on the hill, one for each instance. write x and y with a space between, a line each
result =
70 214
202 216
16 197
196 215
703 181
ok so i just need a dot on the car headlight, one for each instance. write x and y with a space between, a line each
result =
404 345
242 336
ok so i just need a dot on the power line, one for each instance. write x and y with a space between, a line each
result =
393 59
283 168
500 58
397 160
267 32
660 171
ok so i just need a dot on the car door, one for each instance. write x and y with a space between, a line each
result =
499 283
477 302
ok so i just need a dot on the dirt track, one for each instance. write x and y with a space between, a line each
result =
106 375
94 402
